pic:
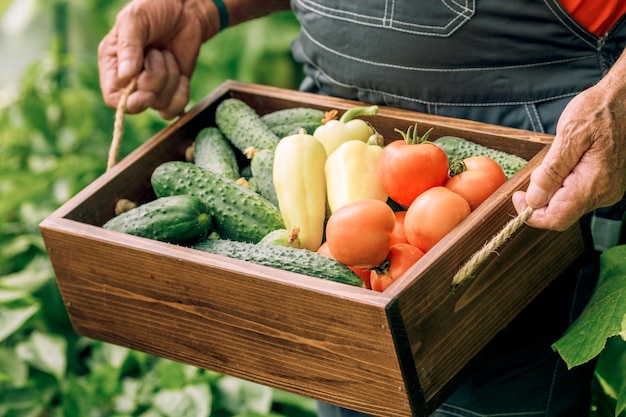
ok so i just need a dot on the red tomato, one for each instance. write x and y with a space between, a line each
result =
398 235
481 178
401 257
433 215
407 170
363 273
358 234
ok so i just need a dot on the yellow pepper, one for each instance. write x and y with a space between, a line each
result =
298 175
335 132
351 174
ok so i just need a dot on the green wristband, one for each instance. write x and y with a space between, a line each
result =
223 14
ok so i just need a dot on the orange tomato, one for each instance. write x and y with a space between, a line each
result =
432 215
398 235
481 178
358 234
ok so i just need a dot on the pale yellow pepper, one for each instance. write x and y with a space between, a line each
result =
335 132
351 173
298 175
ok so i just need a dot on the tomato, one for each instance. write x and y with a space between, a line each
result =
433 215
401 257
358 234
323 250
481 178
408 169
398 235
363 273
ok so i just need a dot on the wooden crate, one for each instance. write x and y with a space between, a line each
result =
397 353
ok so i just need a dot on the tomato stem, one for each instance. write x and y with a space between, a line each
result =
412 137
457 166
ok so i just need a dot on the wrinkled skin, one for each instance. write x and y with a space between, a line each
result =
585 167
159 42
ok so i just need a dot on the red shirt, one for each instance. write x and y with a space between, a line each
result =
597 16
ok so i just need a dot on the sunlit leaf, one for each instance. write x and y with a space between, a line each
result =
604 316
46 352
14 317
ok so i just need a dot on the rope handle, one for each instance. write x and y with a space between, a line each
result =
118 126
480 256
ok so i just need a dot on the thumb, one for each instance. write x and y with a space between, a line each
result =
548 177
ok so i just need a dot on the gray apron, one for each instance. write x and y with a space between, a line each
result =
513 63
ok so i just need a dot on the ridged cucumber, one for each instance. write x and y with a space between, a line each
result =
243 127
462 148
174 219
238 212
291 129
214 152
293 115
301 261
261 167
287 122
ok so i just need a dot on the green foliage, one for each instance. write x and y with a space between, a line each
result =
54 139
601 328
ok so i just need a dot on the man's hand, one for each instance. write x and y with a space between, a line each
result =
158 42
585 168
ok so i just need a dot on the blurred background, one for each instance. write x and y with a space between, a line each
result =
54 137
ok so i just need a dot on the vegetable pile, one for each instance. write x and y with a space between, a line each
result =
316 194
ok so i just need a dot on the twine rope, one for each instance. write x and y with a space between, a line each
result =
118 126
480 256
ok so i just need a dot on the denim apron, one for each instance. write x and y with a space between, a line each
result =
513 63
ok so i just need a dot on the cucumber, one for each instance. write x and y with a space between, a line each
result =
296 115
214 152
287 122
291 129
243 127
261 167
238 212
462 148
174 219
301 261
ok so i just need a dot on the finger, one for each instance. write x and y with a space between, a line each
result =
548 177
130 45
110 84
170 84
179 100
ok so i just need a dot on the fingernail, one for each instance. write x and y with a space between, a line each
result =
536 196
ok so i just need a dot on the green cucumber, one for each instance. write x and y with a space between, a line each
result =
300 261
243 127
287 122
462 148
261 166
283 131
174 219
295 115
214 152
238 212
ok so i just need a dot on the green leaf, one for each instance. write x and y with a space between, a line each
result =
13 317
46 352
191 401
240 396
12 369
604 316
